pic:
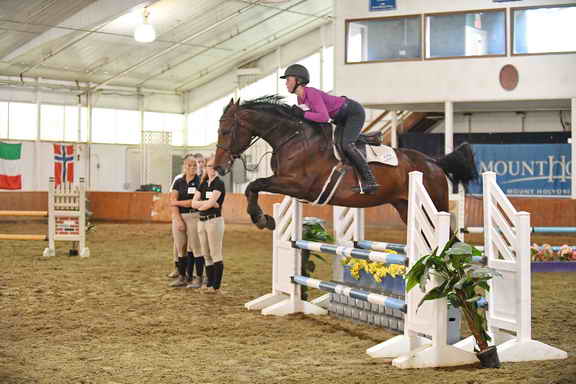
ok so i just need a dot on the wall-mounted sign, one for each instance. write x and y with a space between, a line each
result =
526 169
382 5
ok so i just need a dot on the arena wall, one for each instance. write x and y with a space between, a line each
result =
153 207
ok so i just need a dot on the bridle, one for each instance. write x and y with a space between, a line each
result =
235 128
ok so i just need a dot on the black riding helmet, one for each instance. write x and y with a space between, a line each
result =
298 71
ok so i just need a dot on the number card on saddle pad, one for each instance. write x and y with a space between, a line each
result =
382 154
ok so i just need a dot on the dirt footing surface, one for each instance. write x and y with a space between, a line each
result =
112 319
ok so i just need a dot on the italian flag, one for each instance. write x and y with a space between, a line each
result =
10 175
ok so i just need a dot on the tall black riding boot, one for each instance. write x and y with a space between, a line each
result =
210 272
190 262
369 184
218 272
181 266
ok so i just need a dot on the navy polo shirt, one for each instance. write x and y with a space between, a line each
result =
206 189
185 190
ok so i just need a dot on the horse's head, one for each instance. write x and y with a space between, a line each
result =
233 138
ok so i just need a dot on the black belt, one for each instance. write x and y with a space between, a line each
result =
208 217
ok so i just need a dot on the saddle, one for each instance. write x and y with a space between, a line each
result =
370 139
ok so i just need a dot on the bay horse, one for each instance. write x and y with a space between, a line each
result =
303 160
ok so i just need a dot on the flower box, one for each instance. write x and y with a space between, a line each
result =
553 266
388 286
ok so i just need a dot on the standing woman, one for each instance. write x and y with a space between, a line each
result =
185 221
208 200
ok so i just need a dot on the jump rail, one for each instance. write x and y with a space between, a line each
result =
66 218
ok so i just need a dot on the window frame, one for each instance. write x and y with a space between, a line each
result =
488 10
513 30
347 30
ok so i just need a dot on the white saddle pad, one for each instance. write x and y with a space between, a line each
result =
382 154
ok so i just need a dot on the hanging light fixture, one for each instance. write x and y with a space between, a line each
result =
145 33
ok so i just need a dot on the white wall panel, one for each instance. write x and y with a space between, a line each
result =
470 79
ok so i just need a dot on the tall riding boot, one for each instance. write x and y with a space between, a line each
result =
218 272
210 272
190 262
181 281
369 184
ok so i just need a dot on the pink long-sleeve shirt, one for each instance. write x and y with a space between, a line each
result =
322 106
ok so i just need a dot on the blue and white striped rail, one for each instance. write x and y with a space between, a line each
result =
381 246
364 254
373 298
532 229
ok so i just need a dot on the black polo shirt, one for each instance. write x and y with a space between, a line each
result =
206 190
185 190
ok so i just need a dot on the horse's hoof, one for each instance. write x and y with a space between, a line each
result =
261 223
270 222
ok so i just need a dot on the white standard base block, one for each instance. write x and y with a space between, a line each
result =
49 252
531 350
290 306
265 301
510 349
84 252
395 347
430 357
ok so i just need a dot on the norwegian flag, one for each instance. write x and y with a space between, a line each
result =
63 163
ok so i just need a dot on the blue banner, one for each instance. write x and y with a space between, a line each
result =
382 5
526 169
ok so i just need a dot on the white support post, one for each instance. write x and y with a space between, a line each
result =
573 129
509 297
285 298
394 131
51 250
448 127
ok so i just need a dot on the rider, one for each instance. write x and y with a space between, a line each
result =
347 114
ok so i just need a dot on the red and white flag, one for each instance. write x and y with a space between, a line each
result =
63 163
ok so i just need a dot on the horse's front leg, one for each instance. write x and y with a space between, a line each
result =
256 214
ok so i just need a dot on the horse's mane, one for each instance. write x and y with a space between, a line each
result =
269 103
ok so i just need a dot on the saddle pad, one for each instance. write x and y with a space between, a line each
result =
381 154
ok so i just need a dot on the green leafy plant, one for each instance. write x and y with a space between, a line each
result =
312 230
462 283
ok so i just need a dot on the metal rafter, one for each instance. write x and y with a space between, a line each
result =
288 10
72 29
174 46
99 13
259 48
185 60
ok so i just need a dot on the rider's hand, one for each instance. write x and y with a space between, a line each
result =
296 111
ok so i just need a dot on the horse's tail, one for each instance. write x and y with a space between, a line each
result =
459 165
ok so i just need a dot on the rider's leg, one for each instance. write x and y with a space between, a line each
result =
352 128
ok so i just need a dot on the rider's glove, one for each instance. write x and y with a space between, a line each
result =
297 111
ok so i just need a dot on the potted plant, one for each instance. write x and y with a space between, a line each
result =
462 283
312 230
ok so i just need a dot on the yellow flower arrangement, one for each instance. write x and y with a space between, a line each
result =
377 270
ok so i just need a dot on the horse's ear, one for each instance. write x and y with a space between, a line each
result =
231 102
238 102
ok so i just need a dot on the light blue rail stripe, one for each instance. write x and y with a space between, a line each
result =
532 229
554 229
381 257
354 293
381 246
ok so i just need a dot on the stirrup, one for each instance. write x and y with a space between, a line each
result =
368 189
